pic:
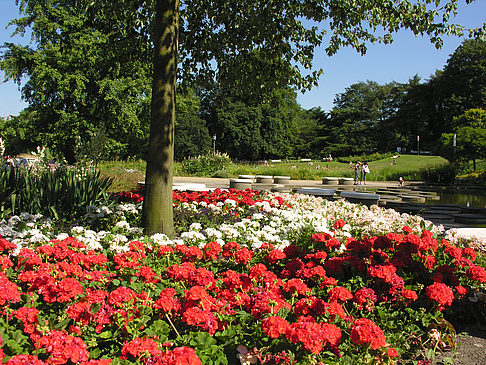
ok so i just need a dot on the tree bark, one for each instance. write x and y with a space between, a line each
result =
157 213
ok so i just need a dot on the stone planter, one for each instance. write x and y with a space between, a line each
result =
281 189
265 187
330 180
413 198
363 198
240 184
327 194
261 179
247 177
281 180
346 181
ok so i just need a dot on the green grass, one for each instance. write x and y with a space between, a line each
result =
126 174
407 166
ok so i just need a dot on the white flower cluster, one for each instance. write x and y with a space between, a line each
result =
2 147
25 229
277 224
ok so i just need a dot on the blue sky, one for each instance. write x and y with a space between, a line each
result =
405 57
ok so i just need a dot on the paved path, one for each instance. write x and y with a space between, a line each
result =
224 183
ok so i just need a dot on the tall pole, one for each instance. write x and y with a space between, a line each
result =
214 144
418 145
454 149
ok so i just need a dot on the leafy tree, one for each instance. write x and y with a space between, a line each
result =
191 133
19 132
85 71
309 139
470 130
362 120
462 84
239 127
213 33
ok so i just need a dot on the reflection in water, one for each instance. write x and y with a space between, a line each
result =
472 198
468 199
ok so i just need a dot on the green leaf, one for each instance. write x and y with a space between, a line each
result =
105 334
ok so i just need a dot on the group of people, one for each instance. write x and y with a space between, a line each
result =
360 172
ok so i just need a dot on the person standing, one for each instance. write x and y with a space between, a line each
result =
356 173
364 170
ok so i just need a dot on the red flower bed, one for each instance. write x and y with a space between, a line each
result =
184 305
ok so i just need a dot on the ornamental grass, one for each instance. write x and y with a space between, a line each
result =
251 278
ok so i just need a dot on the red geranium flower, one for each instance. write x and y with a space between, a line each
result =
140 347
9 292
441 294
212 250
339 224
297 287
275 326
178 356
24 360
63 347
365 297
364 331
476 273
339 294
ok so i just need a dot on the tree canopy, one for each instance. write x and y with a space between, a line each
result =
470 137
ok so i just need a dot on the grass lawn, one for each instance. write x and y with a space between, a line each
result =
126 174
407 166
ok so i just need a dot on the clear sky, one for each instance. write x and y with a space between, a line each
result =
405 57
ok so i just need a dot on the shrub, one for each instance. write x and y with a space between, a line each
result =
59 192
368 158
444 174
206 165
221 174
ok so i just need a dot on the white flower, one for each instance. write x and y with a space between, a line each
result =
77 230
122 225
213 233
159 238
230 202
195 227
62 236
192 236
14 220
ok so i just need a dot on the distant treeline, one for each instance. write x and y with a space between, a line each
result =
366 118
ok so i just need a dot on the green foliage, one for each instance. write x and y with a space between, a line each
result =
84 70
191 133
60 193
260 130
462 85
366 157
470 131
206 165
125 175
94 149
442 174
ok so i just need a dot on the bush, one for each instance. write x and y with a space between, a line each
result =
223 174
206 165
368 158
60 193
444 174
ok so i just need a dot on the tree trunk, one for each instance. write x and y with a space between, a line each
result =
157 215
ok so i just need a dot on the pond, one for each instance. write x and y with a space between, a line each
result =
468 198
